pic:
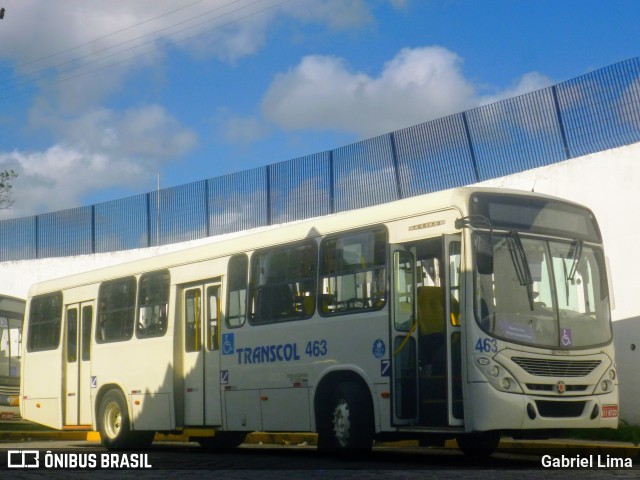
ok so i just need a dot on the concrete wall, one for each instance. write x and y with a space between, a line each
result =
606 182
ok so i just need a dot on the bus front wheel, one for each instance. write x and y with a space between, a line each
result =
349 423
114 424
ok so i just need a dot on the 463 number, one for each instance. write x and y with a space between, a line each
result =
487 345
316 348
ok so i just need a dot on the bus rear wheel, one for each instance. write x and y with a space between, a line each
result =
114 424
348 424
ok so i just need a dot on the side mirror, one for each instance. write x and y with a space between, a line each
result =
484 254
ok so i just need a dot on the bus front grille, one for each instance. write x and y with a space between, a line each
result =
556 368
552 409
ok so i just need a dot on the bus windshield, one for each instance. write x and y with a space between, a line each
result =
544 293
10 331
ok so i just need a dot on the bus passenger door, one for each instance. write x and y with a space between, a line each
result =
404 350
201 362
453 259
77 365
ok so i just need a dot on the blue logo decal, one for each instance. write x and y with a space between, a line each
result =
228 347
378 348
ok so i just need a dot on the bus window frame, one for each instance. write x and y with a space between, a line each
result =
253 282
162 329
321 276
100 311
230 285
54 346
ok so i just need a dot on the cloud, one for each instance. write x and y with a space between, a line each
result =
321 92
529 82
417 85
101 149
66 46
241 129
337 14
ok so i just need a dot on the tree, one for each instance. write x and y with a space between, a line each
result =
6 195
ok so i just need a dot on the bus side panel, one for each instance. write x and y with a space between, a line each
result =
42 388
143 369
152 411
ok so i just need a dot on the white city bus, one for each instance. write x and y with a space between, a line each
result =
11 318
460 314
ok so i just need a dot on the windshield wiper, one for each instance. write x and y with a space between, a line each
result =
519 259
575 252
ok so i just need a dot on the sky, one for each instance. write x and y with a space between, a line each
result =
100 99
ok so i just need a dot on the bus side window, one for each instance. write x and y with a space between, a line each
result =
153 305
283 283
116 310
353 272
45 322
237 296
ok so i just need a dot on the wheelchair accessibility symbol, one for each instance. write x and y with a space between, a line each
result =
566 337
228 347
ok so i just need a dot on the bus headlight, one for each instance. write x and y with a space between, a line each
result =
604 386
612 374
498 376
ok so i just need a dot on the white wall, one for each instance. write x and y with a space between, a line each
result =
606 182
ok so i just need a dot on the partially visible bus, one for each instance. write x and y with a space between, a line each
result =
461 314
11 318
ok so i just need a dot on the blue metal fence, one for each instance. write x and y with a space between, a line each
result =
591 113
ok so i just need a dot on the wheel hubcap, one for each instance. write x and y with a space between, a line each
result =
112 420
341 423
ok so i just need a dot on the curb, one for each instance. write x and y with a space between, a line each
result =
541 447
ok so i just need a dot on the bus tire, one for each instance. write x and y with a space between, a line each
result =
114 424
479 444
349 422
222 440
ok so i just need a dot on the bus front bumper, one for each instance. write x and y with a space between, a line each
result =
490 409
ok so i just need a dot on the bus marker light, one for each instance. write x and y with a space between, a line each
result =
264 398
385 395
37 405
137 402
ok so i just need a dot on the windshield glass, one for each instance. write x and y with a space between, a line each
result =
10 330
544 293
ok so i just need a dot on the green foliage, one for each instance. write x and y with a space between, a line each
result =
624 433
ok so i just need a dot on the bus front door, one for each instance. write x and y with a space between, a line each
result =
404 350
77 365
426 343
201 360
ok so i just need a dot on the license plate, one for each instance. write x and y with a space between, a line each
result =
609 411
